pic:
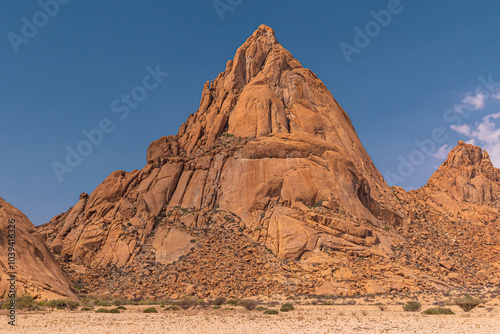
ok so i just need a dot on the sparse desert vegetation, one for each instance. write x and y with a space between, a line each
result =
306 314
438 310
260 315
412 306
468 303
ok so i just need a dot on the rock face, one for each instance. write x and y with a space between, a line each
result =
269 174
453 220
467 175
38 274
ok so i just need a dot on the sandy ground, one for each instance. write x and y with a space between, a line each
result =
305 319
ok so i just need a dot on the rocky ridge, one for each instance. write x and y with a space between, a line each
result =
265 189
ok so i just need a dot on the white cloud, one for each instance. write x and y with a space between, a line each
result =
496 95
462 129
473 101
471 141
486 130
442 152
476 102
494 152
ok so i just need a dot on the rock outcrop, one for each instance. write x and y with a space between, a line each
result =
452 225
265 188
37 272
467 175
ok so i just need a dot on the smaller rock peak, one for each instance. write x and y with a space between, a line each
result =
467 175
464 155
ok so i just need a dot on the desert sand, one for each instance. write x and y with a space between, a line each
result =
305 319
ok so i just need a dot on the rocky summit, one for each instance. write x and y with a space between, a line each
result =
267 189
35 269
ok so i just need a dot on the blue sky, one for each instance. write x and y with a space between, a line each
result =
426 63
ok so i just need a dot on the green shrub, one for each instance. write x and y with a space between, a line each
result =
103 303
467 303
119 302
121 307
219 301
233 301
439 310
146 302
261 308
173 308
72 304
271 312
26 302
103 310
287 307
412 307
216 307
249 304
318 204
85 309
62 304
50 303
150 310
